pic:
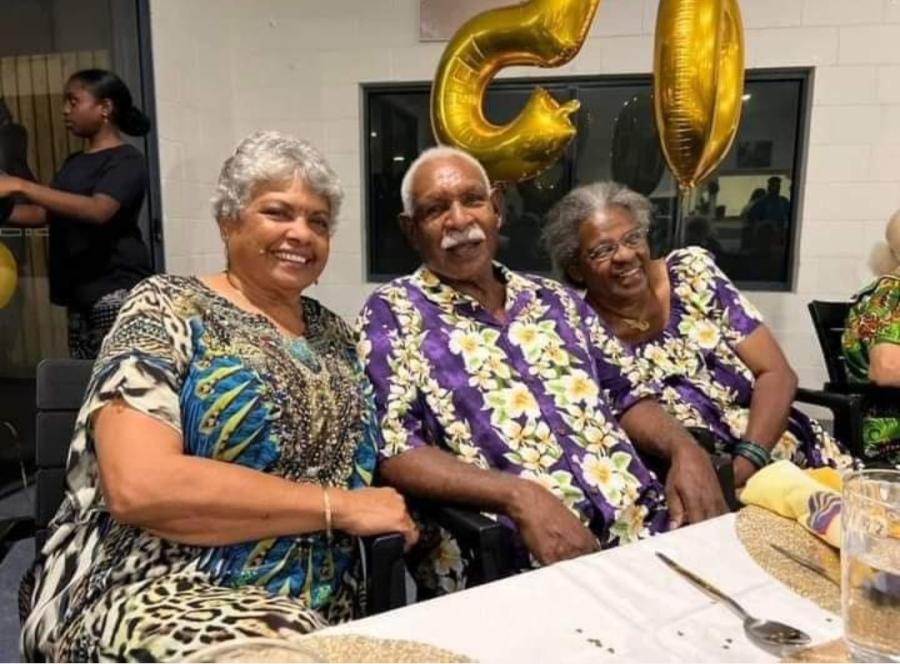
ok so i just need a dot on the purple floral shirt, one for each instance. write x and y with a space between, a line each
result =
537 396
705 383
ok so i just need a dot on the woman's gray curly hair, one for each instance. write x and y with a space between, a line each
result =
560 235
270 157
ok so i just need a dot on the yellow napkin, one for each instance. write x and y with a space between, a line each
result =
828 476
787 490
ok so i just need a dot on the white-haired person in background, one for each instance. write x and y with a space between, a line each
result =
219 469
872 344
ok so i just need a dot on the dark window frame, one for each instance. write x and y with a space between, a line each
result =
134 64
803 76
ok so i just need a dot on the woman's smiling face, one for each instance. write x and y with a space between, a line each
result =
282 237
613 255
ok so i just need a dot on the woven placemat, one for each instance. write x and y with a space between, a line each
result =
357 648
758 529
336 648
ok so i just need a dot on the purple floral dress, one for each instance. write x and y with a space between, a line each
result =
704 381
537 396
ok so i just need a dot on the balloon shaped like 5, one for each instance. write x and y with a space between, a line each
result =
8 275
698 84
542 33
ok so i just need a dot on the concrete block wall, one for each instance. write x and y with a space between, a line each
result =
226 67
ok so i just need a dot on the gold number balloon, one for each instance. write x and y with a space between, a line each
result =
698 83
542 33
8 275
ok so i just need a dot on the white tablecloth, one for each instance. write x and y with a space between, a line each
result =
617 605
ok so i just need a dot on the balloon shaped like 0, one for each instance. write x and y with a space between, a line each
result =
698 84
541 33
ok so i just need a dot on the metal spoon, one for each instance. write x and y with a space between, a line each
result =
769 635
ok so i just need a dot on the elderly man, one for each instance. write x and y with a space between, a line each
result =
506 393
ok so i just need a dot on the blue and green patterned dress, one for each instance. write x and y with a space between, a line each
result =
237 391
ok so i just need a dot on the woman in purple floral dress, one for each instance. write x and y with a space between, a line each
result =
720 366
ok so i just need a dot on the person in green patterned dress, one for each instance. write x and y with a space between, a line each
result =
871 344
218 476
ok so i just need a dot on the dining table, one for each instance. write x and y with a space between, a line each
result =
621 604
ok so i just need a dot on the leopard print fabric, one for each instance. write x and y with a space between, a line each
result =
237 391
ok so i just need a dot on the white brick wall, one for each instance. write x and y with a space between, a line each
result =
226 67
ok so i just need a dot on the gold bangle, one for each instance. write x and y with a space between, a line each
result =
327 504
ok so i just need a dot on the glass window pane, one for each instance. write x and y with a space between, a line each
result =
526 203
399 129
744 212
617 140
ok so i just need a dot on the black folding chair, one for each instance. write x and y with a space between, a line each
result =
829 319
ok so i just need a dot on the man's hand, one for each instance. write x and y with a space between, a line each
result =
692 488
550 531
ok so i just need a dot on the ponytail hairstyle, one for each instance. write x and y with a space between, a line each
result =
104 84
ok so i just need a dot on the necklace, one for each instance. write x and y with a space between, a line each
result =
639 324
636 324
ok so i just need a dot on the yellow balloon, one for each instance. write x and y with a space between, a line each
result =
8 275
698 84
541 33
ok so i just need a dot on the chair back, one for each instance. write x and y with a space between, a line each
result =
829 319
60 388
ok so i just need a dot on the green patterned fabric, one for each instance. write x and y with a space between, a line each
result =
875 319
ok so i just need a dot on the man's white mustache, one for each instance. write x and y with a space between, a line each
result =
472 233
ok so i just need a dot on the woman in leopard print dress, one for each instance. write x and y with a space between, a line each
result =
226 429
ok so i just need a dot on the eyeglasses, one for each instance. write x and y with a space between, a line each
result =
603 252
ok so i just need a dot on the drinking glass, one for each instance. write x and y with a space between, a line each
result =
870 564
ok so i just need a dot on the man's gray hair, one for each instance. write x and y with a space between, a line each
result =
561 229
436 152
272 157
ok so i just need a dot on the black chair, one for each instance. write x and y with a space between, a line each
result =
829 319
484 542
61 385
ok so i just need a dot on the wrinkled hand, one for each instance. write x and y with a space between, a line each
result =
550 531
372 511
9 186
692 488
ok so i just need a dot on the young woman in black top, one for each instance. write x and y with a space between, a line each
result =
92 207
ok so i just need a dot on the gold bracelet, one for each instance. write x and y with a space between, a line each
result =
327 503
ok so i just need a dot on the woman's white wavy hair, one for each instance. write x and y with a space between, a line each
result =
271 157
